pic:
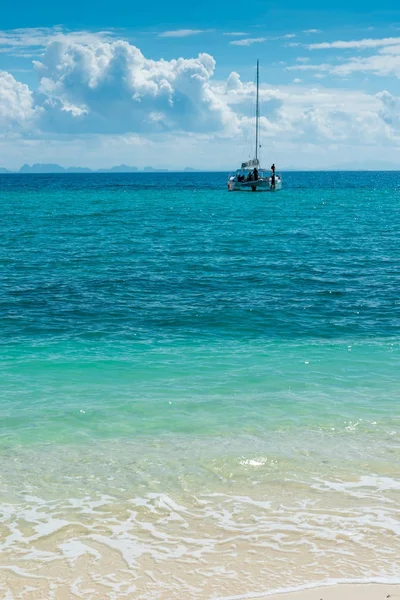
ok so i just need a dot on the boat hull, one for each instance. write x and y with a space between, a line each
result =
261 185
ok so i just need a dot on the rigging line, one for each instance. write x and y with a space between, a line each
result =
257 107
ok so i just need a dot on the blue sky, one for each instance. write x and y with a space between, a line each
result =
173 85
100 14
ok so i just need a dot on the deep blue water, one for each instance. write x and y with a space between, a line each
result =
155 255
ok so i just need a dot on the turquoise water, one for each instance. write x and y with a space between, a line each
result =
164 338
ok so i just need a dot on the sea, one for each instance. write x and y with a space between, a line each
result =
199 390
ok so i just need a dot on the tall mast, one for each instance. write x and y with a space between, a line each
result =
257 107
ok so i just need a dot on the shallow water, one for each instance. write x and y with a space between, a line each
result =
199 390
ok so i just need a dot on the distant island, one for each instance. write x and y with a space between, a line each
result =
119 169
50 168
54 168
152 170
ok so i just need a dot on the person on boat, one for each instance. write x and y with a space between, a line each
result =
255 174
250 176
273 169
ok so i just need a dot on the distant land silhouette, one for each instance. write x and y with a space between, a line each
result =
151 170
119 169
377 165
54 168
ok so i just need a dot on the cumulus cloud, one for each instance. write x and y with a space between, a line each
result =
330 115
17 109
233 82
113 87
389 112
298 113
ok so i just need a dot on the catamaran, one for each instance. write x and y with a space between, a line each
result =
251 177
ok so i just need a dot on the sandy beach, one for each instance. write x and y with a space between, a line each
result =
376 591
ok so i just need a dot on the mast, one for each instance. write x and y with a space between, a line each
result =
257 106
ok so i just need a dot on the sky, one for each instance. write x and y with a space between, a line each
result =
172 85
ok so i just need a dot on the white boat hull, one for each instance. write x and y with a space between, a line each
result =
260 185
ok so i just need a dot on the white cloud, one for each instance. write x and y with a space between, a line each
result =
16 103
288 36
306 67
378 65
248 41
113 87
105 98
390 50
235 33
312 31
390 110
18 41
385 63
234 82
355 44
181 33
331 115
298 113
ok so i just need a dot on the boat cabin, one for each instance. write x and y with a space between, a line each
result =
247 174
